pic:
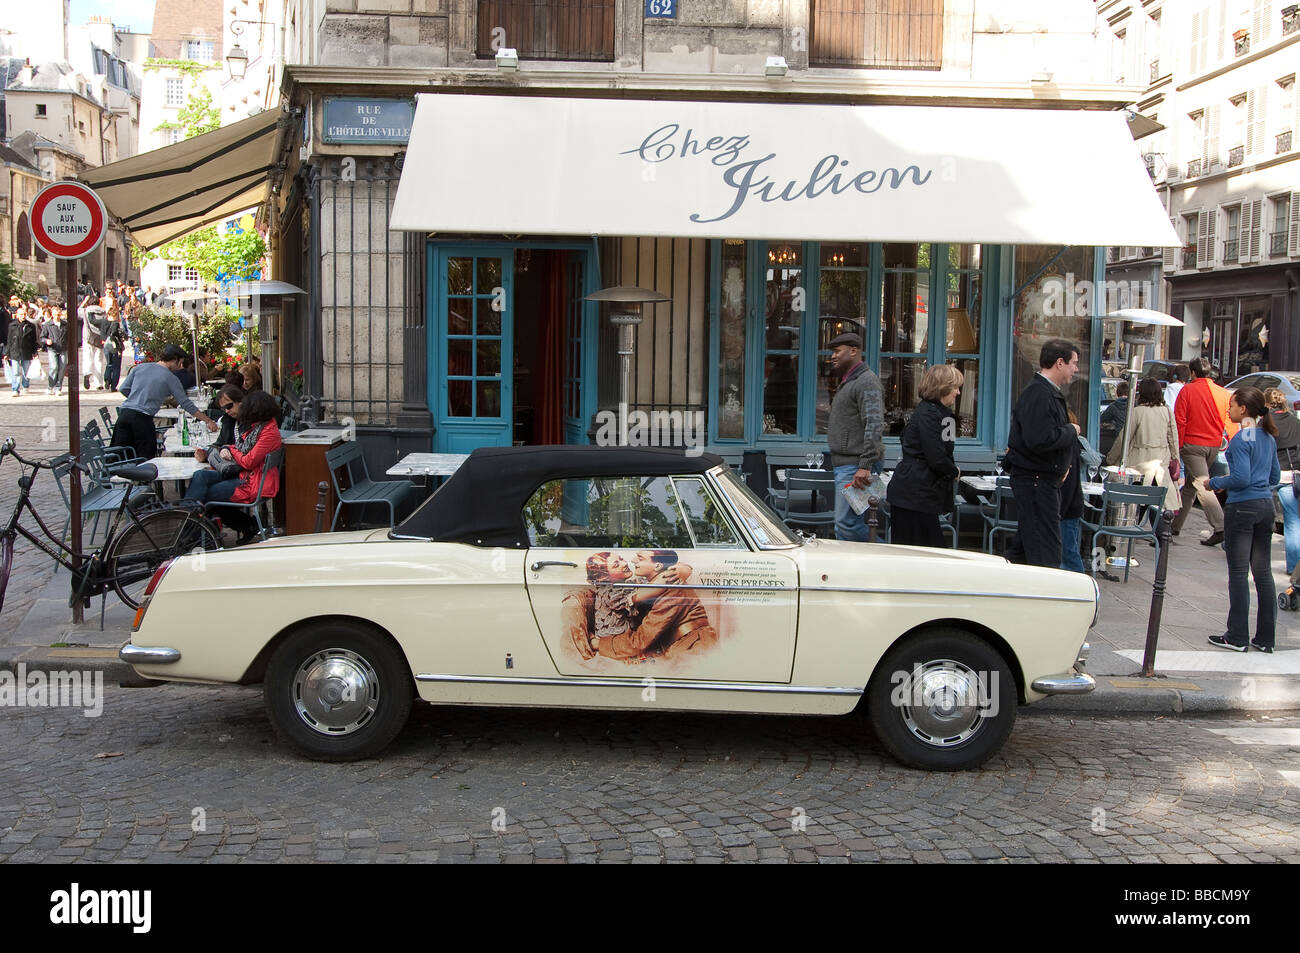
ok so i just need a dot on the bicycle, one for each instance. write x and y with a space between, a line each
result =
130 555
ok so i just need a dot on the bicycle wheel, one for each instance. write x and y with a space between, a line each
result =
137 552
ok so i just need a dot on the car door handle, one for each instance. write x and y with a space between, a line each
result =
539 566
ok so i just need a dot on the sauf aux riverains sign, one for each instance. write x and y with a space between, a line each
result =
759 170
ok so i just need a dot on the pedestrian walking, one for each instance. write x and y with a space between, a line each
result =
1175 386
54 335
1253 471
146 387
92 345
21 348
1288 459
1201 416
1081 454
6 313
1153 445
855 430
1040 450
114 346
922 485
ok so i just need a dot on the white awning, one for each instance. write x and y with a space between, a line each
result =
525 165
170 192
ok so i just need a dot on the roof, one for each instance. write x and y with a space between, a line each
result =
12 157
482 503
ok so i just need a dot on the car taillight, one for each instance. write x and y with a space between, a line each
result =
1295 405
154 581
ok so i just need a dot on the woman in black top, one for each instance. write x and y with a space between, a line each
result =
921 487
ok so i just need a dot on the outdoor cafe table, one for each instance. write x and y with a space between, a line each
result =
428 464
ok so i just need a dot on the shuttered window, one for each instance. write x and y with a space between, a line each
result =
580 30
879 34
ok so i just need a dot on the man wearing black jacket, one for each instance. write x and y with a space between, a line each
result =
1040 448
54 335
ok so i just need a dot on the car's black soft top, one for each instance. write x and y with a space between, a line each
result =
482 503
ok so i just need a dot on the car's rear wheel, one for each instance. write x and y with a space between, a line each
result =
337 692
943 700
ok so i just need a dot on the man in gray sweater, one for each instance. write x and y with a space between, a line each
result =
855 432
146 387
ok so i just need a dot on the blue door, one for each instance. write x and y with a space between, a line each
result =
579 365
471 359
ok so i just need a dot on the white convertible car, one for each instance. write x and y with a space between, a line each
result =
617 578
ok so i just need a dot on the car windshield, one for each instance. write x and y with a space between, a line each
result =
764 525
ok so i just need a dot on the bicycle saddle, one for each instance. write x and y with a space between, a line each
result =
141 474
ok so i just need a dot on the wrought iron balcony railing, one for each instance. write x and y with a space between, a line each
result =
1235 155
1189 257
1230 252
1155 70
1284 142
1277 245
1193 168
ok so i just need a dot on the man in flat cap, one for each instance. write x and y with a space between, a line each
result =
855 432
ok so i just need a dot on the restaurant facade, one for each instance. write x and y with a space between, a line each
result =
777 177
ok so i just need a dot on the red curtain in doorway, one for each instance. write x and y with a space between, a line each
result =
548 419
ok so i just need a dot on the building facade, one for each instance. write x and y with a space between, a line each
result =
1222 84
464 337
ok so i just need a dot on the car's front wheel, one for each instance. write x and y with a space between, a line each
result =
337 692
943 700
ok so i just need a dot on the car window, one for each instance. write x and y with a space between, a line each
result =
707 521
625 511
1266 381
1250 380
764 525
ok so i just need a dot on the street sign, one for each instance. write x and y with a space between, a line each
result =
67 220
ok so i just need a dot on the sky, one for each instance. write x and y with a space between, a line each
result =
136 14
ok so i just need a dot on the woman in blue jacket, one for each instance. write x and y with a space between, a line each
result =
1248 521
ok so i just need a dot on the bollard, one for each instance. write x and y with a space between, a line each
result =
322 491
873 518
1164 533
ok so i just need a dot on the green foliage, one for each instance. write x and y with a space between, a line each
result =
235 255
11 283
154 329
199 114
191 68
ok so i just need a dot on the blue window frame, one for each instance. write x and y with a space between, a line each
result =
776 305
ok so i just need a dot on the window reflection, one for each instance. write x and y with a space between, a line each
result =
731 370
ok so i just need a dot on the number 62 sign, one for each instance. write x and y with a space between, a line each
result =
661 9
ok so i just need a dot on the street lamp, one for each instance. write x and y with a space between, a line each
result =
625 314
237 58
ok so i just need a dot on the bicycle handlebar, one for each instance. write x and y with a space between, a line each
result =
7 449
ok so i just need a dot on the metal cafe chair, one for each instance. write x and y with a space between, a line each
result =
996 514
1146 501
361 489
274 460
819 485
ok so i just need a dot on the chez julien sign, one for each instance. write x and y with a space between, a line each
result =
750 170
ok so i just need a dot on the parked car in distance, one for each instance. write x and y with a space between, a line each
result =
1163 371
617 578
1288 382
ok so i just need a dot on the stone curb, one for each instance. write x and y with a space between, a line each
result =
1182 693
41 658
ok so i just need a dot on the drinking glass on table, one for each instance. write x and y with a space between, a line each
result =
808 458
817 459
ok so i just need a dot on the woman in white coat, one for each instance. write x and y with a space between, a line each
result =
1153 445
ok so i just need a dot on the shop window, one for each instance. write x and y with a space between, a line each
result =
732 342
876 34
923 306
580 30
1044 310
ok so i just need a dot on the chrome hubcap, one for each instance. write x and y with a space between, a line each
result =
943 702
336 691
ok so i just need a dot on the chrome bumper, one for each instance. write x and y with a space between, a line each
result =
1074 683
142 655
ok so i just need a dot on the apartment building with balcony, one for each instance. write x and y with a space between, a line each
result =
1226 161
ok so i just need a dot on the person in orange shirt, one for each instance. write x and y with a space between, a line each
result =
1201 415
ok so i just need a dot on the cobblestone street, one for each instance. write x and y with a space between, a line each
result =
195 774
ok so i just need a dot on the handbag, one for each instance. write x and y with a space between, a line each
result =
227 469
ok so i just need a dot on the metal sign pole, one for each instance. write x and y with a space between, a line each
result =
71 268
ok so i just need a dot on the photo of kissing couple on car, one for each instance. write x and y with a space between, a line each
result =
637 612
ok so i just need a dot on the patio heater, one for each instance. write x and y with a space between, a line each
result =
263 300
1138 333
625 304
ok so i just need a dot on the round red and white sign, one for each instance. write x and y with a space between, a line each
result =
68 220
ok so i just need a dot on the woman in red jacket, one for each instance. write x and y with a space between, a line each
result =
258 437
